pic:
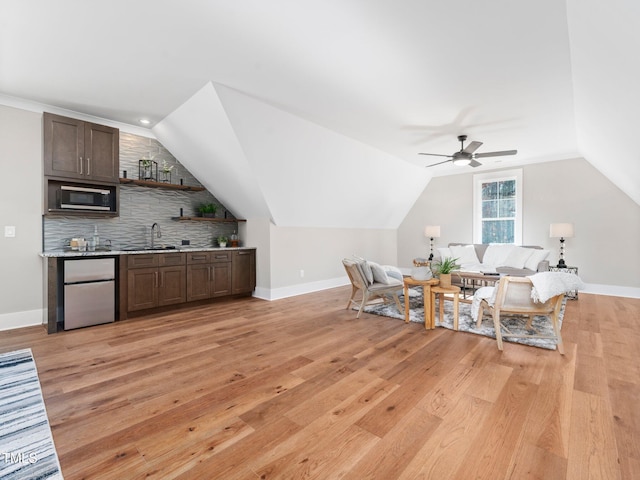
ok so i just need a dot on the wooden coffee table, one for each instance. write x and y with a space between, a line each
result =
474 279
426 294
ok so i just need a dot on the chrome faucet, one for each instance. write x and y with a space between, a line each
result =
159 233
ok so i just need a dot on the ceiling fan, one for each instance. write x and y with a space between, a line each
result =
467 156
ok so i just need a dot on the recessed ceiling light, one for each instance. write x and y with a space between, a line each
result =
145 121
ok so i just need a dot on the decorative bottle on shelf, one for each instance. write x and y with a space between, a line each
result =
234 239
96 238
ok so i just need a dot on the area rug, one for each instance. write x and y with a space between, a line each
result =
466 323
26 445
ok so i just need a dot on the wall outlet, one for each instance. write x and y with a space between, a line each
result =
9 231
186 242
301 273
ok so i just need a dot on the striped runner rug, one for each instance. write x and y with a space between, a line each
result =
26 446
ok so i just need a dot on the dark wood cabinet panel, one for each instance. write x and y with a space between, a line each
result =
198 282
243 271
63 146
102 152
78 150
173 285
142 291
221 279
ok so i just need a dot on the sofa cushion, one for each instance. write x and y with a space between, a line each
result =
466 254
444 252
536 257
496 255
517 257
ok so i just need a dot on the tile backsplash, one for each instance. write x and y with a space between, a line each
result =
141 207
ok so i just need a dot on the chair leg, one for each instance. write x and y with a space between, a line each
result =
480 314
354 290
395 297
556 329
365 299
497 328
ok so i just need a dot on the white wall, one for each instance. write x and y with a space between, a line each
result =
21 290
318 252
607 222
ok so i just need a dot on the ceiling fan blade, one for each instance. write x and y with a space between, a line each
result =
495 154
472 147
435 155
474 163
439 163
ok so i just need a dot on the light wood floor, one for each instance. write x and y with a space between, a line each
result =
298 388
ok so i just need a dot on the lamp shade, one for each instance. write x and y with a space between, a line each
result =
563 230
432 231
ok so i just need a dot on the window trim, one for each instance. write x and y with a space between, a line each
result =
478 180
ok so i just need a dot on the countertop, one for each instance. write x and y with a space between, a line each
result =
102 253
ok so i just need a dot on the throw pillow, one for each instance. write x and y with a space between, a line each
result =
393 272
379 275
496 255
517 257
536 257
365 269
466 254
444 252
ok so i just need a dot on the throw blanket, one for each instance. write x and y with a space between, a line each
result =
549 284
483 293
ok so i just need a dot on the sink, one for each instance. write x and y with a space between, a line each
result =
136 249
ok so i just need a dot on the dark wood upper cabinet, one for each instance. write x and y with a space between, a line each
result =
78 150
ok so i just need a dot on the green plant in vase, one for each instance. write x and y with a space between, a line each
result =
444 268
222 240
208 210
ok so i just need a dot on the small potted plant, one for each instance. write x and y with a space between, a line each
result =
208 210
222 241
444 268
165 170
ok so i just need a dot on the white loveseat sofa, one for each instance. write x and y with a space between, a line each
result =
507 259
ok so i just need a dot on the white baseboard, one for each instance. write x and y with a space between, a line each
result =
300 289
29 318
612 290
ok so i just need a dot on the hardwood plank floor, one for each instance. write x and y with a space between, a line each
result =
300 388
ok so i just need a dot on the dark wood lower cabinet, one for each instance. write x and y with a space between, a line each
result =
208 275
156 280
243 276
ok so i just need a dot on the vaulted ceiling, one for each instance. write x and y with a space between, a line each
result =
314 112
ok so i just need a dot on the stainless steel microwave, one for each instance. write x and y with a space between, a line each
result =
74 197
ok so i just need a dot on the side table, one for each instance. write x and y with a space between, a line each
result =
426 294
572 294
456 299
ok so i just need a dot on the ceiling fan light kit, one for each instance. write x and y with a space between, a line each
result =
467 156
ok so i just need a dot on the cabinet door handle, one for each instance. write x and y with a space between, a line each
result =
81 166
156 275
88 166
209 269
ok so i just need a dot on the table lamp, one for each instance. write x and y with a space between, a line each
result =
561 230
431 231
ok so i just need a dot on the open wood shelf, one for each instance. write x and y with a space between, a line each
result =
208 219
171 186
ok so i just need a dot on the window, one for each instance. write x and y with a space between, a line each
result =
497 207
